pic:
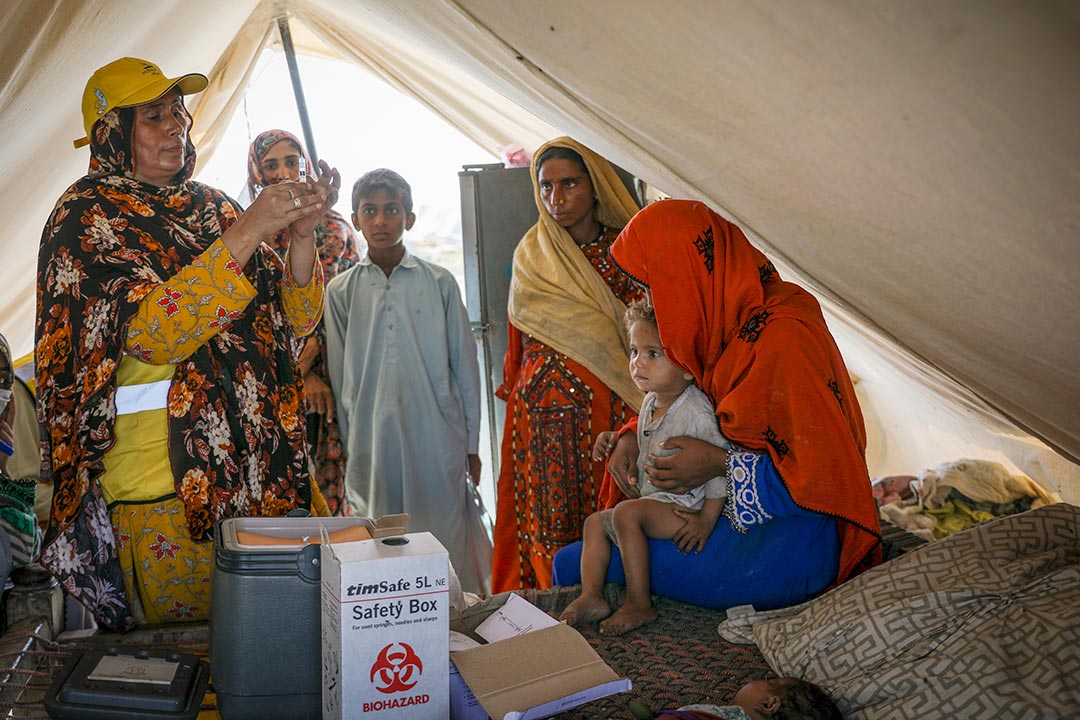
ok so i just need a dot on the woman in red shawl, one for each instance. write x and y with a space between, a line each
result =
274 157
800 513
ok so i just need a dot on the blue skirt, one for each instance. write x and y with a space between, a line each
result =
786 555
777 564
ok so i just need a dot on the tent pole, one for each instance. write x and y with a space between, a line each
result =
298 91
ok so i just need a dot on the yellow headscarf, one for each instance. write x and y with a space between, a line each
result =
557 296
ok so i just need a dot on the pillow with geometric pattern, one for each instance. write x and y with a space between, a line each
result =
981 624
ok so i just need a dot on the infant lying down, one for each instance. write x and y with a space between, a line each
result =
784 698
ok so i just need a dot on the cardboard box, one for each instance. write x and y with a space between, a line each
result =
385 628
529 676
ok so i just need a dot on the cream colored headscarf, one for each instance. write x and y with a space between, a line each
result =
557 296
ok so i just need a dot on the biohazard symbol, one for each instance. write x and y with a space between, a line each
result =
395 669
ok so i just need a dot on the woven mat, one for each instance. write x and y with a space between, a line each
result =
675 660
896 540
678 659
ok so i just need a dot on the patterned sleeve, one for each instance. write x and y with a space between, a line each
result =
756 493
181 314
303 305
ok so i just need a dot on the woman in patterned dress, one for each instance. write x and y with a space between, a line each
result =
166 384
274 157
564 377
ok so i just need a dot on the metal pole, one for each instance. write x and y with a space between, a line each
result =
298 91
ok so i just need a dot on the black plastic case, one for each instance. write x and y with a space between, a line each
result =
73 695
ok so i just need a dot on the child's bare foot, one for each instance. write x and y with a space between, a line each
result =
627 618
585 610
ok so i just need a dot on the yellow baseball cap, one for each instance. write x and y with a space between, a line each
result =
126 82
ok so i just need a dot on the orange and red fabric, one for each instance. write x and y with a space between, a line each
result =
761 350
548 483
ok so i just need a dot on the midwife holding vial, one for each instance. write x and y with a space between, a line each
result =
167 388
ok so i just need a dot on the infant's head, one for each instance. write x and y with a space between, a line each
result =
786 698
650 368
893 488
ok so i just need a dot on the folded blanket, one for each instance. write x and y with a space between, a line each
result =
959 494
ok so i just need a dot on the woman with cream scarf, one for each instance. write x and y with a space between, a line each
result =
564 378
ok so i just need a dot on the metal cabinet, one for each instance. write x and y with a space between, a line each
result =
497 208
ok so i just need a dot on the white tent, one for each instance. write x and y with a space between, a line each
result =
914 163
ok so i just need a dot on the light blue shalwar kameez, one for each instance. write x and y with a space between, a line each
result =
406 384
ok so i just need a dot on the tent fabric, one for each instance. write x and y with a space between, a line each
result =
479 113
913 164
51 47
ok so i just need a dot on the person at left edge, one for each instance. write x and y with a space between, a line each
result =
167 390
17 523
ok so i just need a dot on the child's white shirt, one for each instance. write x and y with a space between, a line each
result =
691 414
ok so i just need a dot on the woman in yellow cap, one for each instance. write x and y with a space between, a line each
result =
166 381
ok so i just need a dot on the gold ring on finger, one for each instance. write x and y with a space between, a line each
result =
296 202
291 196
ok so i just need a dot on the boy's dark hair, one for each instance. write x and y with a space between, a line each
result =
639 311
802 700
382 179
560 153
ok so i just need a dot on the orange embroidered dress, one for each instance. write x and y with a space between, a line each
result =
134 283
760 348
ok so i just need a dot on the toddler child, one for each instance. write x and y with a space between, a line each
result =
673 407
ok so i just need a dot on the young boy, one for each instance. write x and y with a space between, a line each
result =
406 381
673 406
784 698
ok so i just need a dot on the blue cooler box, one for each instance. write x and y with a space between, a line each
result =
265 615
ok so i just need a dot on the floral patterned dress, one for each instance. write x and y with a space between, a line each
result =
128 270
